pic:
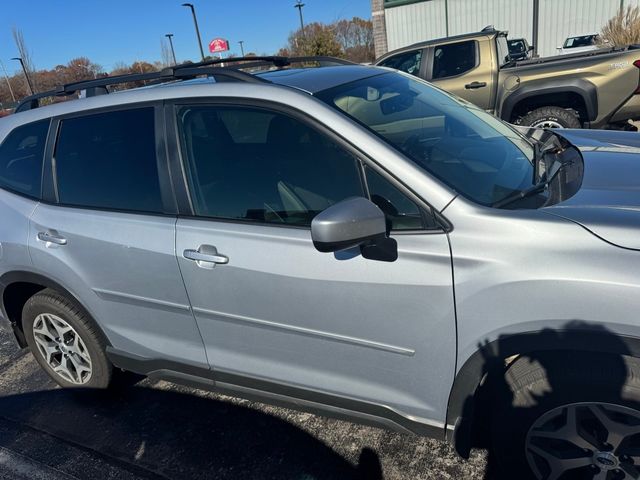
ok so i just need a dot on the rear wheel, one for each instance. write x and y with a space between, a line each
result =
550 117
569 417
65 341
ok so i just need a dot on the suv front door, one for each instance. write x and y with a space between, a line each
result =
274 311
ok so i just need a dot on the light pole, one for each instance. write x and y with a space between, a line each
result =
241 42
299 6
195 22
24 69
173 53
8 82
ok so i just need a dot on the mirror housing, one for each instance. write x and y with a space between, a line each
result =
354 222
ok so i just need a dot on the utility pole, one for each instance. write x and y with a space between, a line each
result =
195 22
8 82
173 52
241 42
536 26
299 6
26 75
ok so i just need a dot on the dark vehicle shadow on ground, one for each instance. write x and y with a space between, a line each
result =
570 369
185 436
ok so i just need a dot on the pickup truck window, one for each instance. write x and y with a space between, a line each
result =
454 59
473 152
408 62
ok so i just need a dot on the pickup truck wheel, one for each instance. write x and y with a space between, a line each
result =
568 416
65 342
550 117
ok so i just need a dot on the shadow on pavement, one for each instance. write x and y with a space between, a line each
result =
185 436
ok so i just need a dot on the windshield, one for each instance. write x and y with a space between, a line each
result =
476 154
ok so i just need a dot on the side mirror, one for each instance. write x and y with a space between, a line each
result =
531 48
355 222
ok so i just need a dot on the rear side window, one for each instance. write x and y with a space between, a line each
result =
454 59
408 62
109 161
21 156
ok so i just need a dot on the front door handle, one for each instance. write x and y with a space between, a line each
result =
474 85
206 256
50 237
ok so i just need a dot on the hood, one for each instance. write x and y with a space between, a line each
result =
608 202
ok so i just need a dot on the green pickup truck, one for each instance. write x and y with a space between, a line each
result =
596 89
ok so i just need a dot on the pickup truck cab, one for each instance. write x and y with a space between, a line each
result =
596 89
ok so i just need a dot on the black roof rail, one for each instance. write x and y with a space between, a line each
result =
184 71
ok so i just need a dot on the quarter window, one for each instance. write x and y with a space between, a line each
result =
109 161
257 165
454 59
401 212
408 62
21 156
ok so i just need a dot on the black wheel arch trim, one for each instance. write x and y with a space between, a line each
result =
20 276
492 355
587 90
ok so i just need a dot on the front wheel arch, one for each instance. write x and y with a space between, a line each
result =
493 357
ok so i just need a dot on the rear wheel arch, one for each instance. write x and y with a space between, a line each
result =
16 288
468 395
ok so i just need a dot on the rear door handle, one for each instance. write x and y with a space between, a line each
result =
49 237
206 256
474 85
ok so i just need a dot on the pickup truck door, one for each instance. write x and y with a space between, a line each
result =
464 68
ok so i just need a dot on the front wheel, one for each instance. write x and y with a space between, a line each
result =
550 117
65 341
567 417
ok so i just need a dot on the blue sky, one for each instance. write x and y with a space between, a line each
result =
119 30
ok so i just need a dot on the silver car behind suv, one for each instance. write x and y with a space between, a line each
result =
346 239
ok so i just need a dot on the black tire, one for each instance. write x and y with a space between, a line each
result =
532 387
51 302
560 116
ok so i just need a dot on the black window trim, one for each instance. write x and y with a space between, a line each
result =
432 57
38 196
167 193
177 162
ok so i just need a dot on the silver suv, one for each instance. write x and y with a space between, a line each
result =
346 239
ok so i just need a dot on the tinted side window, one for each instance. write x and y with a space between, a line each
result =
109 161
21 156
407 62
454 59
258 165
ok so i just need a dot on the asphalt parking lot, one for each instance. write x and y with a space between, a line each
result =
156 430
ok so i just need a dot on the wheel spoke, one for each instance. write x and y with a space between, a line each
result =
62 348
559 466
616 432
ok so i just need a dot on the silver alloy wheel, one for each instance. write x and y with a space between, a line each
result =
598 441
547 124
62 348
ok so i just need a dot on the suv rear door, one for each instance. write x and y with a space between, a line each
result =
106 231
276 314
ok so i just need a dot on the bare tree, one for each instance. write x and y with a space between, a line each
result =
623 29
165 53
23 52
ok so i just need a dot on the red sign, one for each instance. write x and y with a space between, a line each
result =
218 45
